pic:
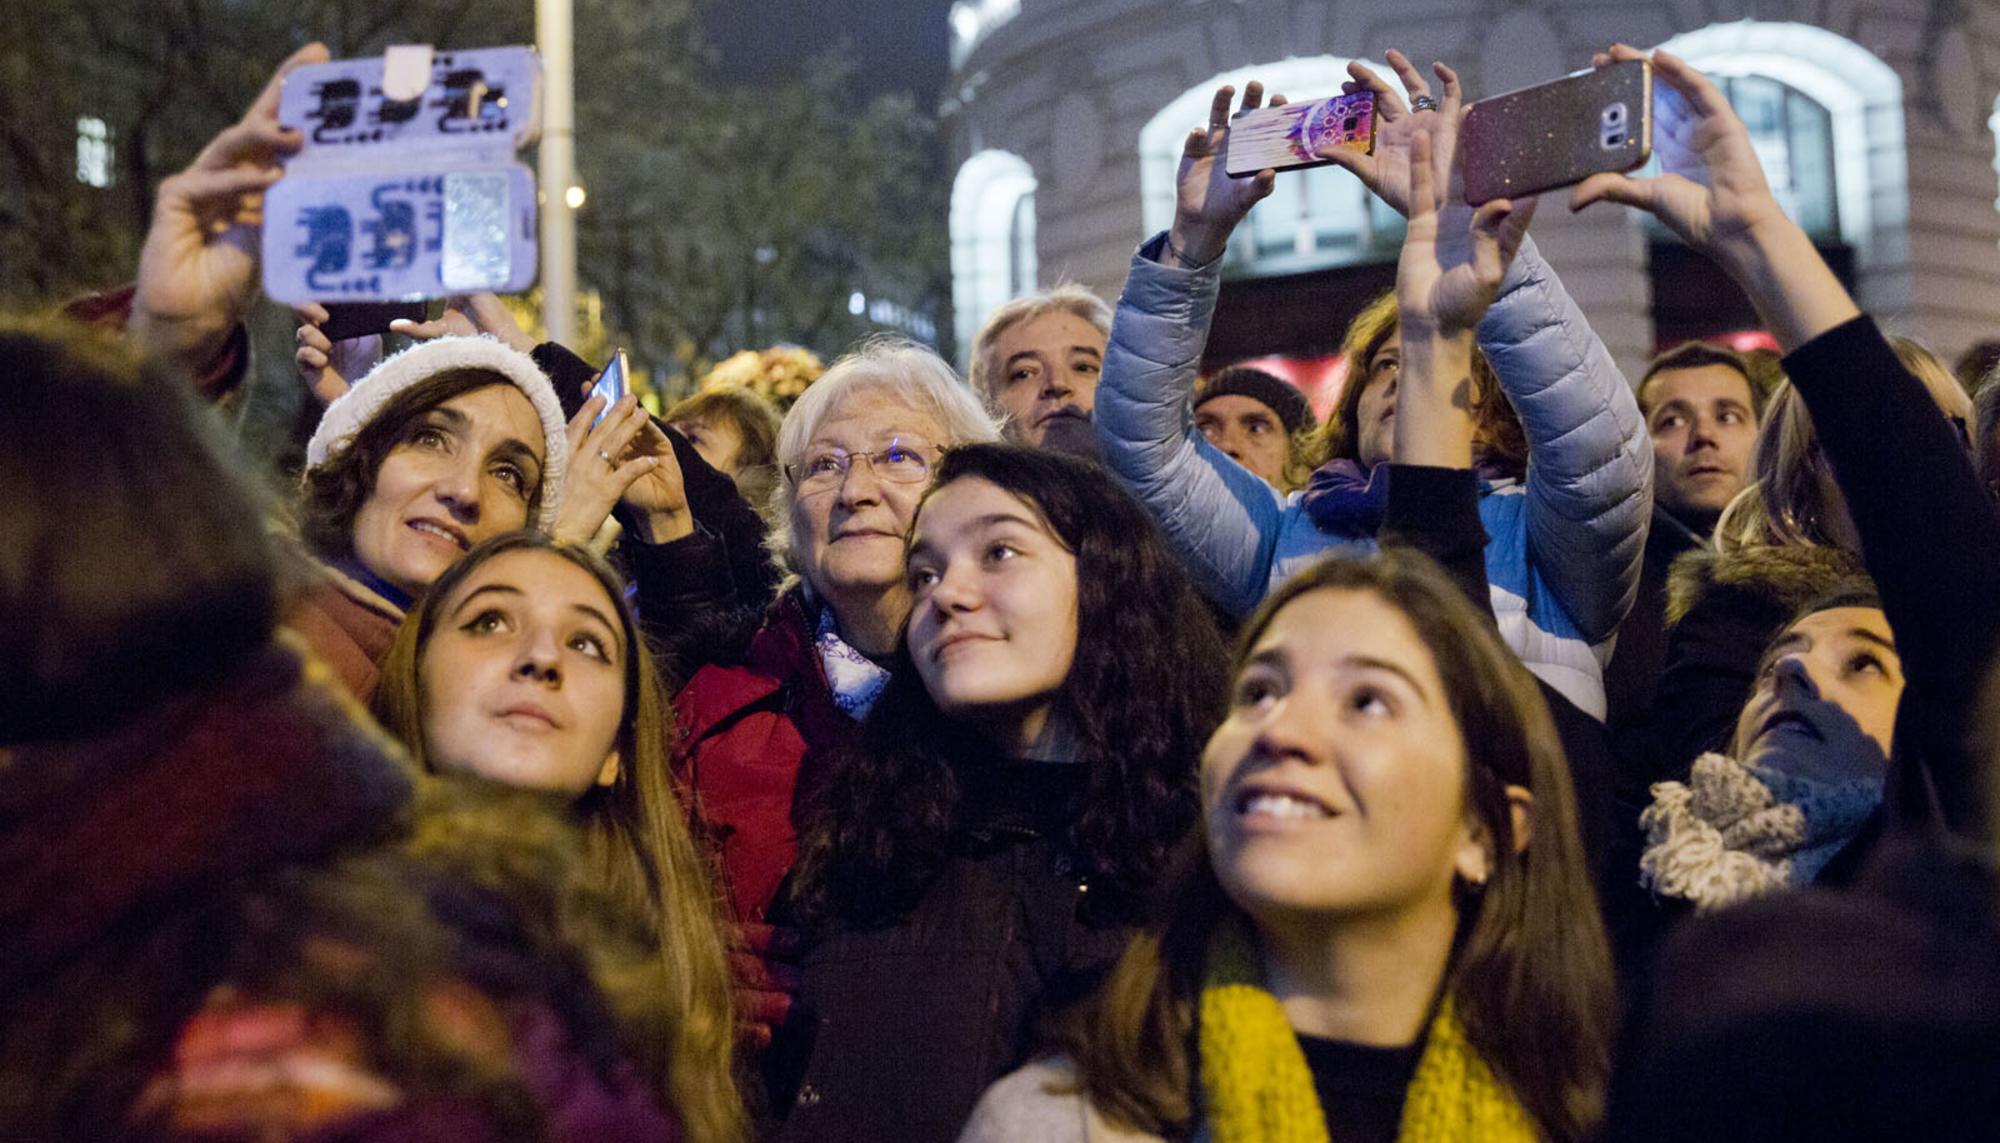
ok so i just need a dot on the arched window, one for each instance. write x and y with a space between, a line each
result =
1313 220
992 238
1826 116
1793 136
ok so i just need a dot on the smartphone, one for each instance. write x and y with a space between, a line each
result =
1287 137
611 385
1559 133
345 320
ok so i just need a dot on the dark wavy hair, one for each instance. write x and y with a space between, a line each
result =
1145 688
331 495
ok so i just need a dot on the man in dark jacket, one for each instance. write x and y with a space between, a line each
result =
1702 406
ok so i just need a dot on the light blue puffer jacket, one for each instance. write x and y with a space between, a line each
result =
1566 544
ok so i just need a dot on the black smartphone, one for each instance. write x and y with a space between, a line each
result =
348 320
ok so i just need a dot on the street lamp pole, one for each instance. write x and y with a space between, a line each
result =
553 26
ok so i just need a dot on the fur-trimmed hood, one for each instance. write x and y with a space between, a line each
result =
1775 580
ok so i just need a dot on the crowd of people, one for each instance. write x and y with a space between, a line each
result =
1082 749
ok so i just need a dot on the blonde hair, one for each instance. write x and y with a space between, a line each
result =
1784 504
1067 298
912 374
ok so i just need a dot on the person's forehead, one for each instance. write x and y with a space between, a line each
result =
1053 331
1333 624
873 415
1234 405
541 577
1835 624
970 505
500 409
1698 384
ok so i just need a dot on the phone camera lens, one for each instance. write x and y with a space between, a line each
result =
1614 115
1350 123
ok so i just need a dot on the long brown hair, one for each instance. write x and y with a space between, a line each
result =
638 839
1530 976
1501 440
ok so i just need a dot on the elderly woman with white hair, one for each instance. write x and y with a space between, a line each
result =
855 454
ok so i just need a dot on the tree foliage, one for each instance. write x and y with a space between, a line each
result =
717 218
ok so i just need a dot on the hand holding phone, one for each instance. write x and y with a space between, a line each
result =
1209 202
330 364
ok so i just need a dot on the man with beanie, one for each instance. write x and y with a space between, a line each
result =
1260 422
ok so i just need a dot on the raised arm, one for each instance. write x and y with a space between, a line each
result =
1928 532
1219 517
1590 461
198 269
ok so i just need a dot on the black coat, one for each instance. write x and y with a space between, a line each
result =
902 1022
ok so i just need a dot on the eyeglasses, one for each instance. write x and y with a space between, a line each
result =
825 471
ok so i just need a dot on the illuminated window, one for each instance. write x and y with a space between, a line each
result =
992 238
1794 140
93 152
1314 219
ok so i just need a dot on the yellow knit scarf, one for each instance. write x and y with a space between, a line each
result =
1258 1089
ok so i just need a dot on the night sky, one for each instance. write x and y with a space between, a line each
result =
899 45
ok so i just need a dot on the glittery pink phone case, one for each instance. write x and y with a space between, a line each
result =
1555 134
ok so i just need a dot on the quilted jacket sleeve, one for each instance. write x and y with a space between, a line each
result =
1221 519
1590 461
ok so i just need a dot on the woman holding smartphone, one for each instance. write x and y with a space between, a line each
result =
1567 535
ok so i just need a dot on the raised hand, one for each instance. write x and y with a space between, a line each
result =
1453 259
1208 203
329 368
1712 193
198 268
602 465
1386 171
1711 190
469 315
641 467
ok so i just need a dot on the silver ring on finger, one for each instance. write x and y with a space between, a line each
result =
1423 103
605 455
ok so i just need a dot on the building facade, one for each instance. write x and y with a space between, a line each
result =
1876 121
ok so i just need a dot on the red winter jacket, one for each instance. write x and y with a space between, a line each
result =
750 733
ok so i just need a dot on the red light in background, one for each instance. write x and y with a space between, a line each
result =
1319 378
